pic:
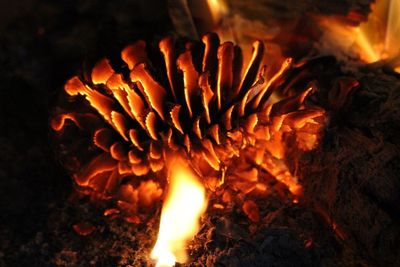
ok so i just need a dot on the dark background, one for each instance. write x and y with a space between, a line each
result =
42 44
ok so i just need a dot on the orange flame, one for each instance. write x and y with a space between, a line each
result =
219 113
382 30
376 39
218 9
182 209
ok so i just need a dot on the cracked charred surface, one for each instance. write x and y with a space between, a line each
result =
354 177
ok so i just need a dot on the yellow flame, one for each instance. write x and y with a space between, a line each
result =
379 37
183 206
218 9
369 54
376 39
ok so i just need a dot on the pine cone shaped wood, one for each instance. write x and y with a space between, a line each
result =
119 130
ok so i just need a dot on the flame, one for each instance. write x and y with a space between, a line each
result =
379 37
182 209
117 132
218 9
376 39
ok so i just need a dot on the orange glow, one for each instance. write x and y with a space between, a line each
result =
183 206
376 39
382 30
368 53
220 114
218 9
346 40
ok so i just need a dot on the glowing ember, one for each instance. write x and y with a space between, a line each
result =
180 215
118 131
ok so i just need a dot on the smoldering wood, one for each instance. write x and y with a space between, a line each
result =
353 176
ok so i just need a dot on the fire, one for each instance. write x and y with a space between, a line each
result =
376 39
118 132
183 206
218 9
379 37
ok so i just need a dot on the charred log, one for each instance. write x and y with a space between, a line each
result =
353 179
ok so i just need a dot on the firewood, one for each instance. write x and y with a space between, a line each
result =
353 179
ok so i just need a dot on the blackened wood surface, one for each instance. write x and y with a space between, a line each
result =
354 178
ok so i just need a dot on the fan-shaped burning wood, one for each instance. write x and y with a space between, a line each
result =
119 131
